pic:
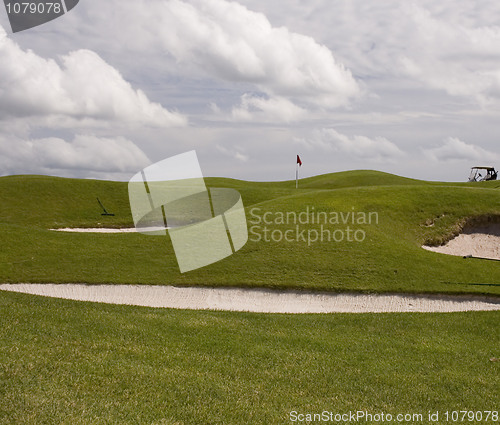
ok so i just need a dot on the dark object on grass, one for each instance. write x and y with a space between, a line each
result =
481 258
475 175
104 209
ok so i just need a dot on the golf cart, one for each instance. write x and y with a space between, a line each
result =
476 176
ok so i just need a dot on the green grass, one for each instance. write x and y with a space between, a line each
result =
66 362
389 259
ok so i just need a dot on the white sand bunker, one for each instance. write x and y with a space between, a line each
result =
477 242
96 230
256 300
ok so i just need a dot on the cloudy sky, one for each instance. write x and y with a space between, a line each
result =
411 88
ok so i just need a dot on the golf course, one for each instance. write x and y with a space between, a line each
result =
355 232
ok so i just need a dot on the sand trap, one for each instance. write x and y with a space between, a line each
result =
96 230
256 300
109 229
478 242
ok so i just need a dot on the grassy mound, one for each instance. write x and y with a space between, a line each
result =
357 178
385 255
71 362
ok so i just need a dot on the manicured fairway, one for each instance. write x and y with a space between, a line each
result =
66 362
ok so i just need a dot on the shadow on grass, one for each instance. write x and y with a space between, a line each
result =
473 284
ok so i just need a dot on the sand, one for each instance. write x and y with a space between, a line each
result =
95 230
257 300
479 242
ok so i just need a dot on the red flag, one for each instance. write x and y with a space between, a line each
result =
299 161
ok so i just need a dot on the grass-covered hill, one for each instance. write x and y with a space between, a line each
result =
405 213
70 362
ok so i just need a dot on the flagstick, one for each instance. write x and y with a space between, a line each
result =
297 176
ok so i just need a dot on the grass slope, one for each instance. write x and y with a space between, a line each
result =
68 362
389 259
356 178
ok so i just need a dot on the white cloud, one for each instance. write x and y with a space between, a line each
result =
234 153
425 68
81 87
328 139
448 45
458 57
84 154
233 43
275 109
454 149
